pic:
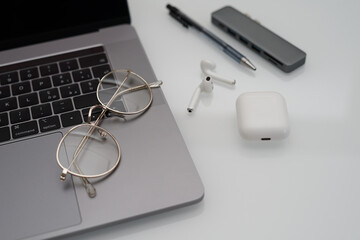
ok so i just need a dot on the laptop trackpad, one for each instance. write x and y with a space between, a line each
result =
32 198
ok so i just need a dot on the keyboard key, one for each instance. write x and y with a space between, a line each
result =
49 69
4 119
61 79
29 73
4 92
4 134
40 111
70 90
81 75
69 65
50 123
61 106
100 71
49 95
24 129
71 118
20 115
28 99
93 60
85 100
89 86
8 78
41 83
21 88
8 104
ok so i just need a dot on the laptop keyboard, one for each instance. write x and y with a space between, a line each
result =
50 93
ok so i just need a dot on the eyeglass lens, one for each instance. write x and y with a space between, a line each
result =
125 92
89 151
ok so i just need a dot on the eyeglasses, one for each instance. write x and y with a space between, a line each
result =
90 151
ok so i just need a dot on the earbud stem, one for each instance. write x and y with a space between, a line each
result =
194 100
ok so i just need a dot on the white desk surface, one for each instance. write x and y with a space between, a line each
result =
305 187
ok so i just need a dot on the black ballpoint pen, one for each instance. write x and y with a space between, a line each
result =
187 22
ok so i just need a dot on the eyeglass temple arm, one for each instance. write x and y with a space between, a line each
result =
151 85
90 189
91 110
156 84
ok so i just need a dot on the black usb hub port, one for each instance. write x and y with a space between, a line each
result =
258 50
243 40
231 32
273 60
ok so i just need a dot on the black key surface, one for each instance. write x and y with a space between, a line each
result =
28 99
20 115
71 118
85 100
49 95
63 105
61 79
8 78
4 119
41 83
4 92
100 71
40 111
81 75
49 69
8 104
69 65
93 60
4 134
70 90
24 129
29 73
89 86
21 88
49 123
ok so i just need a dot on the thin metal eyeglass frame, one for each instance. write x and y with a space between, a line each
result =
105 108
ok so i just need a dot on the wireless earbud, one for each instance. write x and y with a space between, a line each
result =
205 86
207 68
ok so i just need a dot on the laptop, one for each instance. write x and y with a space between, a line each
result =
51 57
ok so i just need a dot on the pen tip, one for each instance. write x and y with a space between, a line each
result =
248 63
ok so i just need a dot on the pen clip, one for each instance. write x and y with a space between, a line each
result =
179 19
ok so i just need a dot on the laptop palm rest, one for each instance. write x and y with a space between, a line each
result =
36 201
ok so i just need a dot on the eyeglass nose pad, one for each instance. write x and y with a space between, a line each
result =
103 134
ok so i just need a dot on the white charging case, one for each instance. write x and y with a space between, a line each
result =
262 116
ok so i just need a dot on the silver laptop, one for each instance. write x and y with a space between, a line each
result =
52 56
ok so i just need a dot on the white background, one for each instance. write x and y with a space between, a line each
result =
304 187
